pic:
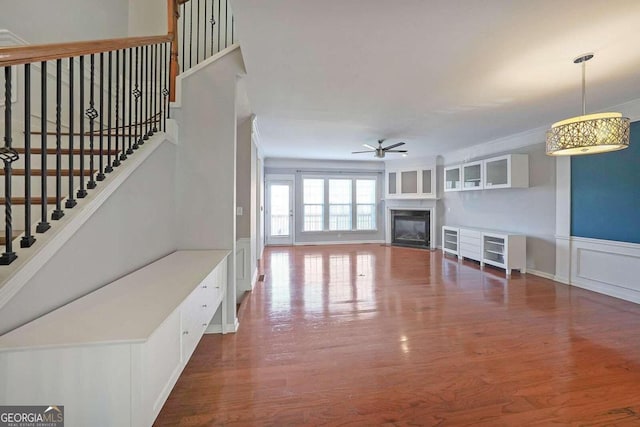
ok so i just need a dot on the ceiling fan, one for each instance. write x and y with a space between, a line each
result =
380 151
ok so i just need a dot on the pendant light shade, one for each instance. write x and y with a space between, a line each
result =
588 133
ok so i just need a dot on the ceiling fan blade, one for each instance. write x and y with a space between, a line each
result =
393 146
370 147
358 152
396 151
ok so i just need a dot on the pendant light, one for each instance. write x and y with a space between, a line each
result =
588 133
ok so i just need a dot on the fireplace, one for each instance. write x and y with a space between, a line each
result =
411 228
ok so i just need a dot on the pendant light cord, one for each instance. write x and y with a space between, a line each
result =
584 91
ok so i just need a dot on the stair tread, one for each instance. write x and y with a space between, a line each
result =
14 234
50 172
21 150
35 200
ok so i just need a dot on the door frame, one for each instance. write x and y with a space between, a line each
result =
291 181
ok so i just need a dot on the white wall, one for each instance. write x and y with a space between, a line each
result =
39 21
134 227
147 17
206 174
530 211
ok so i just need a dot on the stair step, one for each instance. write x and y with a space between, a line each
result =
50 172
15 233
65 151
36 200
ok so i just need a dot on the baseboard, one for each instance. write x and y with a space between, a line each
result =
341 242
229 328
254 278
541 274
562 279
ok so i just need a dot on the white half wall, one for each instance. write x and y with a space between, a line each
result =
134 226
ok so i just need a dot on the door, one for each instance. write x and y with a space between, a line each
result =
279 215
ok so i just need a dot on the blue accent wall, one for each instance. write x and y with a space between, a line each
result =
605 193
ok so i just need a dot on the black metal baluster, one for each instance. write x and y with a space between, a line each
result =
213 22
156 74
147 93
44 224
226 22
116 159
219 19
28 239
136 95
82 192
198 34
152 87
8 155
232 28
100 176
204 24
167 82
71 202
108 168
190 36
92 115
58 212
130 127
183 17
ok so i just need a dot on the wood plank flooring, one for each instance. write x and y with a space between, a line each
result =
368 335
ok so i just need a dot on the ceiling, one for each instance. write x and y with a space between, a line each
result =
324 77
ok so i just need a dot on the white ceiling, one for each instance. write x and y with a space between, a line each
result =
324 77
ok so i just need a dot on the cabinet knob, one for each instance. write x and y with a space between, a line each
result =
204 286
185 333
204 305
217 287
204 324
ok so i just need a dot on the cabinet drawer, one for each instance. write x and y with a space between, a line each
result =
470 240
471 255
468 247
470 233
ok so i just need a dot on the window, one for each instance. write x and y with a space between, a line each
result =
313 201
339 204
365 204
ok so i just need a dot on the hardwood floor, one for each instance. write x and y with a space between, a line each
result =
368 335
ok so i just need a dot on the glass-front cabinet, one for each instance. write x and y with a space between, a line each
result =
452 178
472 176
415 183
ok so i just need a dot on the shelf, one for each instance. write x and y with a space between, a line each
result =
494 252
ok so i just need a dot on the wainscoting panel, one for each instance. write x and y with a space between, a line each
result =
605 266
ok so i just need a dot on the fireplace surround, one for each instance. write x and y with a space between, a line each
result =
410 228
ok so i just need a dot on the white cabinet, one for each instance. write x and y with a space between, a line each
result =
450 241
415 183
508 171
497 248
506 251
452 178
472 174
470 244
115 354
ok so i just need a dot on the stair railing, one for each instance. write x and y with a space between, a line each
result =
120 91
201 28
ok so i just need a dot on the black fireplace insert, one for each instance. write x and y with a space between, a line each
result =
411 228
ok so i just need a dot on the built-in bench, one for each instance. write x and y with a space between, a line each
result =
113 356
